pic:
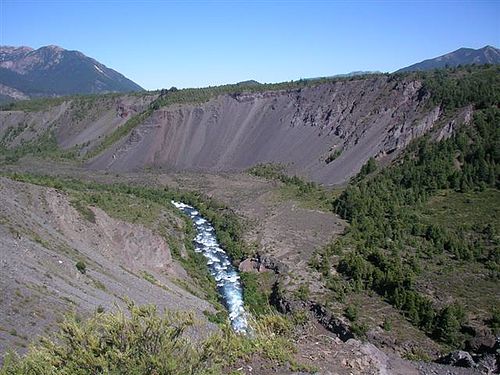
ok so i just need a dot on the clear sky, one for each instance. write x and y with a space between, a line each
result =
199 43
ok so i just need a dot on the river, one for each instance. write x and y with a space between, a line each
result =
220 267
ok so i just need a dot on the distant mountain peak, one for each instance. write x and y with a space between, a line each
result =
53 47
462 56
53 71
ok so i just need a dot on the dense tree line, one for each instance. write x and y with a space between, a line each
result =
458 87
386 232
387 235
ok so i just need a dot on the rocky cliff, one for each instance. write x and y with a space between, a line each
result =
305 129
323 132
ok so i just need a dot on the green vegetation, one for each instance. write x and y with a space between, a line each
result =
81 266
257 290
33 105
220 317
43 146
309 193
387 325
148 277
43 104
303 293
351 312
389 237
332 156
84 210
145 342
458 87
494 321
369 167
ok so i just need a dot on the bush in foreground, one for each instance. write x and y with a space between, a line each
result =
143 341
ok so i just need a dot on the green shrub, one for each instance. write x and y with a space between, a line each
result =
332 156
81 266
147 276
359 329
142 341
220 317
256 300
351 312
303 292
494 321
387 325
145 343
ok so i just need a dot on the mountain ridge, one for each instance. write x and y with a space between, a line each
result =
462 56
54 71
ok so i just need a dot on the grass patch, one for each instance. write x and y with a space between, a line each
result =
83 209
45 147
33 105
257 289
148 277
219 317
471 211
309 194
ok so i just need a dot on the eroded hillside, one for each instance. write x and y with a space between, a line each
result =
59 255
324 131
299 127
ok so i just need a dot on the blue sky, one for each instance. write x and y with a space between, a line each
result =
198 43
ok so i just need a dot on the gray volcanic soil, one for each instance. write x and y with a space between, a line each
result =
300 128
42 237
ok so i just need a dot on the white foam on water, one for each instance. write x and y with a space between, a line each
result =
220 267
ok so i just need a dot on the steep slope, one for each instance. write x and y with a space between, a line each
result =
462 56
356 119
45 232
74 122
322 130
54 71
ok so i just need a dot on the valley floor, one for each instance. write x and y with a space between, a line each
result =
279 225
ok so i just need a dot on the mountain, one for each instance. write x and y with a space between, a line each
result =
53 71
462 56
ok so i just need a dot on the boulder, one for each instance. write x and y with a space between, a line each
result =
482 341
249 265
459 358
332 323
273 264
